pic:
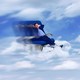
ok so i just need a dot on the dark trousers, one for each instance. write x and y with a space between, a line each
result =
44 38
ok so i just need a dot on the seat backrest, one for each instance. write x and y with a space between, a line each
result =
23 29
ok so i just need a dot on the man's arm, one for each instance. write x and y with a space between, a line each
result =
42 28
31 26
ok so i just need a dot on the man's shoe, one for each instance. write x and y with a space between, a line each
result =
61 46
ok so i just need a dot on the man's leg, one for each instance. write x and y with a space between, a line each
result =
47 40
36 39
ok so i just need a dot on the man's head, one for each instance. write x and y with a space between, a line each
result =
36 25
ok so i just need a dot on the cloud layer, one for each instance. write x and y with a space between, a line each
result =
67 65
34 9
17 66
31 53
16 59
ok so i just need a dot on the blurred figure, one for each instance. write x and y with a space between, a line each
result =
42 36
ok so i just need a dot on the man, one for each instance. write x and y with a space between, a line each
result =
42 35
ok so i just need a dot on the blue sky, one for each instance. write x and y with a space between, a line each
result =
61 18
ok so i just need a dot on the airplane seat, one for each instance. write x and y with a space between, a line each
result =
22 30
26 41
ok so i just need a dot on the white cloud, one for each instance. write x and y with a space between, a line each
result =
22 65
30 13
31 53
73 9
2 66
7 6
65 9
12 76
59 37
12 48
17 66
64 78
6 77
77 39
49 52
33 9
67 65
76 51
